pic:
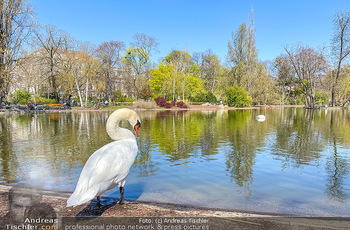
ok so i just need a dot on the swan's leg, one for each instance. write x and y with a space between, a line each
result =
98 201
121 201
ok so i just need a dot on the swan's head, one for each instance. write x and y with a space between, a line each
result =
112 126
137 126
133 119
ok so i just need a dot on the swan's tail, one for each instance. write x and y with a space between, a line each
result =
80 198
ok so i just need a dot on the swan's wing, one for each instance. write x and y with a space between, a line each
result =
111 163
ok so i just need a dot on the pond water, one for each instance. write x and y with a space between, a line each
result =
297 161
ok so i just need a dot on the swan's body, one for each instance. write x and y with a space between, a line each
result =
110 165
260 118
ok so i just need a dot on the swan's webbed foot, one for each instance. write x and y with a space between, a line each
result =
121 200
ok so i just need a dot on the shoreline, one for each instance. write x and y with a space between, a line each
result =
58 198
190 108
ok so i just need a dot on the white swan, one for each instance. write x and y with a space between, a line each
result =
110 165
260 118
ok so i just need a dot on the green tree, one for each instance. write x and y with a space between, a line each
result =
181 62
166 82
237 97
161 80
263 87
242 55
192 85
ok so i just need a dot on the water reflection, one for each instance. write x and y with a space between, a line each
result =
208 147
337 165
9 162
176 134
298 141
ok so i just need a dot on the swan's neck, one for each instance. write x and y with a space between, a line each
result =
115 132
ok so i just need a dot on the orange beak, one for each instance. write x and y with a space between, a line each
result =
137 126
137 129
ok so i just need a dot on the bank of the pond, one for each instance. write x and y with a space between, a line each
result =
58 200
190 107
52 204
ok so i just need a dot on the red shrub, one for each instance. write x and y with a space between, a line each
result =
168 105
161 101
181 104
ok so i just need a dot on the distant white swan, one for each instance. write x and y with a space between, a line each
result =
110 165
260 118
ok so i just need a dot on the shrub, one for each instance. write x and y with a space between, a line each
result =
211 98
43 100
181 104
168 105
237 97
161 101
321 98
199 97
21 96
128 99
204 97
119 97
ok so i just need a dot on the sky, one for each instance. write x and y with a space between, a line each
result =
195 25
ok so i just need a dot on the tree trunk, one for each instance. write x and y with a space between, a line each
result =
78 89
86 92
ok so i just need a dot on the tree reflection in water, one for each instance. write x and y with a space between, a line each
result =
9 161
337 164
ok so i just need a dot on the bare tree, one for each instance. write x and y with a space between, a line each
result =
308 66
28 75
210 69
284 74
137 62
340 47
15 26
71 72
109 55
90 66
51 44
146 44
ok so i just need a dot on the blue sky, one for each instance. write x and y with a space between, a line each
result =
195 25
